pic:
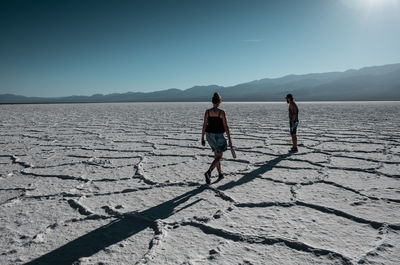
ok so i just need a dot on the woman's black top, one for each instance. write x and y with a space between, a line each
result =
215 124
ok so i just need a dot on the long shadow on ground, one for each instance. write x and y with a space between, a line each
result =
250 176
114 232
118 230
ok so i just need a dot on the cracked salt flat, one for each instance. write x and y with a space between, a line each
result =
207 246
366 183
301 224
123 184
350 202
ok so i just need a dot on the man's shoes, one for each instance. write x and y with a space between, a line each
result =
220 177
208 177
293 150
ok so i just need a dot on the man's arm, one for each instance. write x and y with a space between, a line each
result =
293 114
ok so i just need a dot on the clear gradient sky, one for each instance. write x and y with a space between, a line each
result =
68 47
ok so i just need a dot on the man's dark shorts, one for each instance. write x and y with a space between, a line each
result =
293 130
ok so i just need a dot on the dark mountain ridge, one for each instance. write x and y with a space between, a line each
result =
369 83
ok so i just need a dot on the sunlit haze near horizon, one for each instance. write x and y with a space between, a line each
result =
61 48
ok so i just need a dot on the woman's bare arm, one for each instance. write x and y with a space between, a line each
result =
226 127
203 131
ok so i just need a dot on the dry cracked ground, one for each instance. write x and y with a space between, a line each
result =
124 184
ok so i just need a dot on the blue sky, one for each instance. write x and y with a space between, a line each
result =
59 48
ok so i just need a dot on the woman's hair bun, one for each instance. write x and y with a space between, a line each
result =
216 98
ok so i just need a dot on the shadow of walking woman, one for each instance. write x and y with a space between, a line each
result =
114 232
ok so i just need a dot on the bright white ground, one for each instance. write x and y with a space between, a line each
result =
124 184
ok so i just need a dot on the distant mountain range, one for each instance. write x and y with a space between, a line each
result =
369 83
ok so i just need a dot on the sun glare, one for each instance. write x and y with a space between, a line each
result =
376 3
371 5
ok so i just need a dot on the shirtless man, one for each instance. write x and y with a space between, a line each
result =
293 121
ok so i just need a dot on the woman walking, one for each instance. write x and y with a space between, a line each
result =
214 127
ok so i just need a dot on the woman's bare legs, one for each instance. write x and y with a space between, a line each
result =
215 163
218 165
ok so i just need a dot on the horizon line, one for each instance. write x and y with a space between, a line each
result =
160 90
208 102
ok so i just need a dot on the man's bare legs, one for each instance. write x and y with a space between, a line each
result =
294 140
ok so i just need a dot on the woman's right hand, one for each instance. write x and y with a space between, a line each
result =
203 142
